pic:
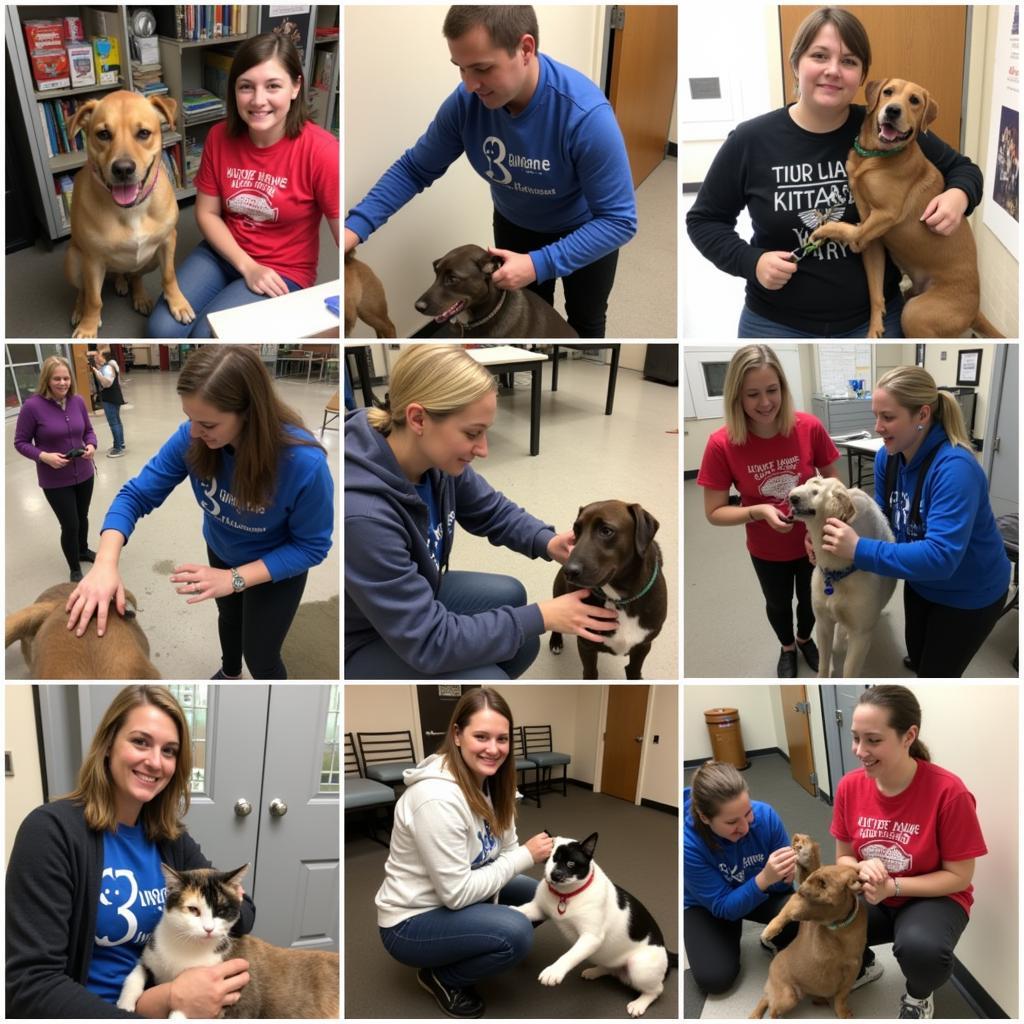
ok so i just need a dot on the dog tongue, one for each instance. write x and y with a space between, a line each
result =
125 195
888 133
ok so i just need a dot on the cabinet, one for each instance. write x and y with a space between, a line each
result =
843 415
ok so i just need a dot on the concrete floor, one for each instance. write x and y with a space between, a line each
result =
183 638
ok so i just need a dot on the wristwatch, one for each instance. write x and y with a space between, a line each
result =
237 583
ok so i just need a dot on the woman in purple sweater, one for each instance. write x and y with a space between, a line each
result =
53 426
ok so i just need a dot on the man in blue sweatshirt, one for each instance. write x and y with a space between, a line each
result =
545 139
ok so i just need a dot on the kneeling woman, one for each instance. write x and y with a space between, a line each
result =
453 873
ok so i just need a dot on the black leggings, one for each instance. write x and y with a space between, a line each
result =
255 622
586 289
778 581
942 640
71 506
923 934
713 943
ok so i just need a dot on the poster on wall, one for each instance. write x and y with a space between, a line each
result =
1001 212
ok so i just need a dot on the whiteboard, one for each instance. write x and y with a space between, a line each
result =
839 364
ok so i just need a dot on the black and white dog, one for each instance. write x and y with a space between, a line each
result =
604 922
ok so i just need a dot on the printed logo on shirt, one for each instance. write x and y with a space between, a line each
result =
214 500
776 478
488 844
901 524
808 190
500 164
896 861
116 924
253 193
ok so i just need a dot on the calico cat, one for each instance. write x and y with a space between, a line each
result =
808 857
606 924
202 906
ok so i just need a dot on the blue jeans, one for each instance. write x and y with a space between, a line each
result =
210 284
465 946
752 325
113 414
463 593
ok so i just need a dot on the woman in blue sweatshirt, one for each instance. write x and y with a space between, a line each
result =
267 497
948 549
545 139
408 481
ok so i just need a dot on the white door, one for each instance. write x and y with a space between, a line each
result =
1001 435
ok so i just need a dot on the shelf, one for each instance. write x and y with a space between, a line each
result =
81 90
188 44
193 122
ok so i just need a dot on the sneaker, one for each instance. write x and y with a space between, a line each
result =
810 652
88 555
454 1002
872 972
76 576
916 1009
786 668
115 453
219 674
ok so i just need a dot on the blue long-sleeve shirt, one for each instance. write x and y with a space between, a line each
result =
558 166
961 562
290 535
722 880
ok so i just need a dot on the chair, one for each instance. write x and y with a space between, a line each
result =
364 794
1009 530
537 743
331 409
385 755
523 764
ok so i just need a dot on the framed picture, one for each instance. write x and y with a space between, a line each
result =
968 367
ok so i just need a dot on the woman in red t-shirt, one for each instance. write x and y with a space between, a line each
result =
267 177
912 830
765 449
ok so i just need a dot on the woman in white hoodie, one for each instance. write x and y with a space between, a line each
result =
453 872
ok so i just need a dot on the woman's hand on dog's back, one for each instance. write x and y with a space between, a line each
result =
101 585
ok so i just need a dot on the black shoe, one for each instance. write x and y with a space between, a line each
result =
76 576
454 1002
810 652
786 669
88 555
907 663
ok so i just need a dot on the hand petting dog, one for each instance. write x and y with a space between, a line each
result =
840 539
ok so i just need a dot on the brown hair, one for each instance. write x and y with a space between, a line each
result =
49 367
161 816
851 33
903 711
754 357
268 46
506 24
714 783
232 378
501 786
914 387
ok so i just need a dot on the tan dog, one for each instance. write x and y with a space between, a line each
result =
365 299
824 958
124 215
892 182
808 857
52 651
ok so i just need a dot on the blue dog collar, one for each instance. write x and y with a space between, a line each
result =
833 576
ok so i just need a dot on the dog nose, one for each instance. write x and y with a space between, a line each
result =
123 169
421 305
794 500
573 571
892 110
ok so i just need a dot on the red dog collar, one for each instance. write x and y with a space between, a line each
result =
563 897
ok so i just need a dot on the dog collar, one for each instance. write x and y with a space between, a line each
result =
833 576
861 151
142 195
564 897
619 602
836 925
473 324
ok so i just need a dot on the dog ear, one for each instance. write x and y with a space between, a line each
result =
872 91
931 111
435 265
589 844
81 117
488 264
854 885
839 505
645 529
167 106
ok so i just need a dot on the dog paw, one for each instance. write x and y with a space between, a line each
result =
592 973
551 975
142 304
121 284
182 312
636 1008
87 329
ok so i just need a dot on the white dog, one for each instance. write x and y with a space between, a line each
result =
842 595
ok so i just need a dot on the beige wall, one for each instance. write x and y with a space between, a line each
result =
23 791
944 372
757 716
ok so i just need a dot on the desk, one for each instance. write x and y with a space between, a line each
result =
861 449
509 359
300 314
613 371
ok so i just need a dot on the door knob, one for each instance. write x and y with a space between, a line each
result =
278 808
639 739
242 807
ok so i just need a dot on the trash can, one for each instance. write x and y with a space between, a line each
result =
726 736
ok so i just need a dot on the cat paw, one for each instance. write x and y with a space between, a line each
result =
552 975
637 1007
594 972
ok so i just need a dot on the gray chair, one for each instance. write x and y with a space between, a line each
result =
385 755
363 795
537 743
524 765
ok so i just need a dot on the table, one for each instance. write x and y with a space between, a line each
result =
299 356
510 359
300 314
861 449
613 371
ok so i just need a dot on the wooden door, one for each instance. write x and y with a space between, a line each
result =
624 740
796 715
642 88
926 45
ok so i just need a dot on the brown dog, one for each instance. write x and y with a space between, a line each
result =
365 299
808 857
824 958
617 559
52 651
124 216
892 182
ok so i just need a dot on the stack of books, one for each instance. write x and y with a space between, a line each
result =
202 105
146 78
55 115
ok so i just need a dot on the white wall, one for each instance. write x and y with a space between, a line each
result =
23 791
660 771
755 704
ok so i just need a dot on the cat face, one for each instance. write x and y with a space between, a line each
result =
202 905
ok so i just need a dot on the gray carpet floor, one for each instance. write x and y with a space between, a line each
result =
770 781
637 847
